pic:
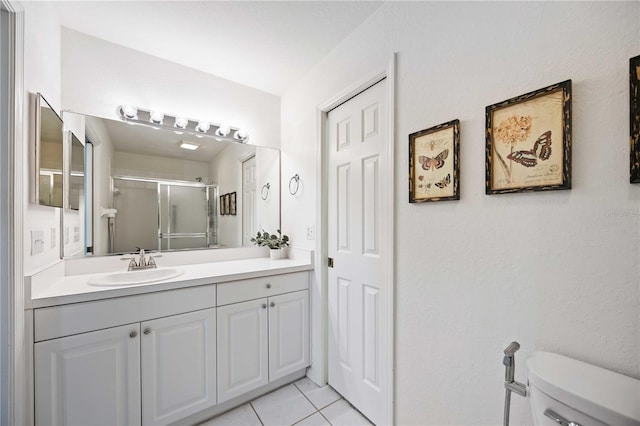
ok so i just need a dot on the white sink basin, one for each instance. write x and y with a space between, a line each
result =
135 277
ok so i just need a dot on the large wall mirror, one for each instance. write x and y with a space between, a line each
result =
151 189
47 187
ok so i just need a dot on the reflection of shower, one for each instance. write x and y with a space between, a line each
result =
161 214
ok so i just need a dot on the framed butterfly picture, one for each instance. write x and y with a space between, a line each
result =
528 142
634 114
434 170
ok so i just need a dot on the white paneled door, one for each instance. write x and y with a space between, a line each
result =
359 244
249 201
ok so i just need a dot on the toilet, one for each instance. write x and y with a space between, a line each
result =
574 391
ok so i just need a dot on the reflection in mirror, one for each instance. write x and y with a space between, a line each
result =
76 178
151 192
47 190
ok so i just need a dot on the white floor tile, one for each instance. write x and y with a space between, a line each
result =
284 406
241 416
342 414
315 420
306 385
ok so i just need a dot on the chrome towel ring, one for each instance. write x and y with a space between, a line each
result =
294 180
264 193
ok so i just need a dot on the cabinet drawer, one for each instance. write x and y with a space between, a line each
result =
65 320
255 288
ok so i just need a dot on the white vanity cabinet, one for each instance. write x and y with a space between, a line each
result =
262 339
89 379
148 372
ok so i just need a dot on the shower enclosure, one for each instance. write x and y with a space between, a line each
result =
157 214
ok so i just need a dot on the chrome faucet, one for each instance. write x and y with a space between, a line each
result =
510 384
144 262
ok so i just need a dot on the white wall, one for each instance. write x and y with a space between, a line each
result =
98 76
142 165
41 74
556 271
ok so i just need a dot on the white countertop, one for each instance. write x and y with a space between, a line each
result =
76 288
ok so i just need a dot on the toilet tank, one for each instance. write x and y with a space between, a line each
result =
581 392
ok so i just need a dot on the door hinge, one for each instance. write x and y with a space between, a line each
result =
330 262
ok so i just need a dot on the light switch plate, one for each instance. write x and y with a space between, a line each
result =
66 235
37 242
53 238
76 234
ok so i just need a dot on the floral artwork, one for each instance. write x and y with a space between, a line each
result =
433 163
529 141
634 114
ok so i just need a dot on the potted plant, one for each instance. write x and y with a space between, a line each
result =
273 241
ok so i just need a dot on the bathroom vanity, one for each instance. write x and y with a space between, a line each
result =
179 350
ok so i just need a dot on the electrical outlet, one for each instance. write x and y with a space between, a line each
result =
76 234
311 232
53 238
37 242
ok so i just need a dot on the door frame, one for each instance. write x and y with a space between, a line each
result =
15 387
320 310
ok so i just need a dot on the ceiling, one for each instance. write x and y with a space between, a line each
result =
267 45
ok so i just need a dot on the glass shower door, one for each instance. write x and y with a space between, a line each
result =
184 217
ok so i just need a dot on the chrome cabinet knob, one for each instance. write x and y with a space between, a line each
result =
268 285
147 330
272 304
264 306
133 334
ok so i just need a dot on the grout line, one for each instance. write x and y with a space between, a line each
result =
254 410
312 414
324 417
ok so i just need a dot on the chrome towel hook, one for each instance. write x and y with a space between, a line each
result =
264 193
294 180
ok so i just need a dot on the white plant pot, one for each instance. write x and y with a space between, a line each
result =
275 254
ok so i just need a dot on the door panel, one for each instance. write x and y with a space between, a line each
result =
288 333
178 366
359 244
242 348
89 379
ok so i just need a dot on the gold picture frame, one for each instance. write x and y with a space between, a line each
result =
528 142
434 168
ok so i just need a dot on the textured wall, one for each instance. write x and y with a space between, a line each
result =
558 271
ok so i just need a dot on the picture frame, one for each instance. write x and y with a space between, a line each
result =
634 119
232 204
227 199
222 213
434 167
528 142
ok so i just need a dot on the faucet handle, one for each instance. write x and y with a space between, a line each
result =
132 262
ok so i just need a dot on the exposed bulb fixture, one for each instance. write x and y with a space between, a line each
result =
181 123
156 117
223 131
203 126
241 135
188 145
129 111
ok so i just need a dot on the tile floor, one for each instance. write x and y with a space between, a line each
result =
300 403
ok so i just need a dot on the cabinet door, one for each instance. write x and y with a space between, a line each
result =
288 333
242 348
89 379
178 366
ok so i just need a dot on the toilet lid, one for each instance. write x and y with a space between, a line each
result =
603 394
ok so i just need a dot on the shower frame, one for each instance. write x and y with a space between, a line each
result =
211 192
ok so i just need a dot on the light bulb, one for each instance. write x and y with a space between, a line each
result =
130 112
181 122
156 117
223 131
203 126
241 135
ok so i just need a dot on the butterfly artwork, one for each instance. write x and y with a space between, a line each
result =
444 182
541 150
434 163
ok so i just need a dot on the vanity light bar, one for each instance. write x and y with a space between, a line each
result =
180 124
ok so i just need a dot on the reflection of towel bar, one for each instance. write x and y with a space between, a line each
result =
264 193
183 235
295 178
